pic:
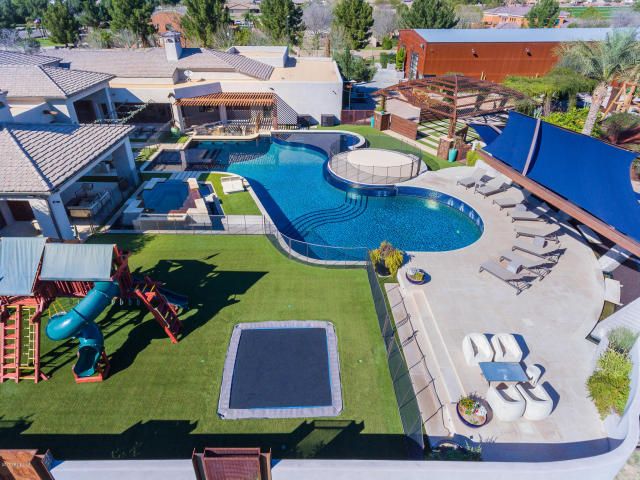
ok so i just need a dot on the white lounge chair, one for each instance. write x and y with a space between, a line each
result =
515 280
612 290
506 401
539 247
492 187
476 348
534 373
471 180
506 202
539 403
536 214
546 233
533 265
506 348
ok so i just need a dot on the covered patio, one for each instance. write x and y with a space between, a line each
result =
66 190
228 113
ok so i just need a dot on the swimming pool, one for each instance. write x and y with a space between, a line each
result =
290 182
165 196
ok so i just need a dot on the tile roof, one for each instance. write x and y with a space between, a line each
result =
19 58
37 158
49 82
479 35
153 63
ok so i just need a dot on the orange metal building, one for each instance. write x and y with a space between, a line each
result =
490 54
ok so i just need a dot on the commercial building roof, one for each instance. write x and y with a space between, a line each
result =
39 158
19 58
153 63
48 82
491 35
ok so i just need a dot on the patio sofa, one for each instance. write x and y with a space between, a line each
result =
476 348
506 348
506 401
539 403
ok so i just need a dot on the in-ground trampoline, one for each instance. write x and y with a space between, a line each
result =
281 370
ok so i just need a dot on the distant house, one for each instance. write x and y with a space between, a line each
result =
169 19
515 16
490 54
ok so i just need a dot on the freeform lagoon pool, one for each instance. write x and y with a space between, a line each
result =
290 181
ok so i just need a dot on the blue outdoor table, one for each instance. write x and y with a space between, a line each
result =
509 372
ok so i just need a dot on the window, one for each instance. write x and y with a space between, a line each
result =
168 27
413 66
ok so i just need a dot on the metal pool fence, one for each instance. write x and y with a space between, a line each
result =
374 174
405 395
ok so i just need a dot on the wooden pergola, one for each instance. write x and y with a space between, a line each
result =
453 97
230 99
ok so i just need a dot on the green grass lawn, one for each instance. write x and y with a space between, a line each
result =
378 139
606 12
238 203
161 399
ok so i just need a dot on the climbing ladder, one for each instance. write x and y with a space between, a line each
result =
164 313
20 343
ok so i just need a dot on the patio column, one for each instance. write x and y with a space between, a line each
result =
176 111
52 217
110 106
125 164
97 111
222 109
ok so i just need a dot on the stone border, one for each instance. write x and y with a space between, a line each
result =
227 413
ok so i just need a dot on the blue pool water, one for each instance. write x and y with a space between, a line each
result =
165 196
291 185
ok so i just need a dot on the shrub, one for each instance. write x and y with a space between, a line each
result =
609 384
386 43
472 158
389 256
384 60
618 125
622 339
400 58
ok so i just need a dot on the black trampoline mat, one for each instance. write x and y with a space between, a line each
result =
280 368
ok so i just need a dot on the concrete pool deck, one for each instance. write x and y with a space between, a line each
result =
552 318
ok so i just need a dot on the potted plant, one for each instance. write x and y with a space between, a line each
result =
472 411
386 259
417 276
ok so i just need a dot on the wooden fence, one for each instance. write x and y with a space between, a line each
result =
356 117
404 127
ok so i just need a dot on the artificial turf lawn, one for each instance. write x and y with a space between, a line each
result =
238 203
161 399
377 139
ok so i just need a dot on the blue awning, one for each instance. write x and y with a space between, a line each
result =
77 262
486 132
19 260
588 172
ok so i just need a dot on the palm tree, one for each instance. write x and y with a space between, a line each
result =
606 61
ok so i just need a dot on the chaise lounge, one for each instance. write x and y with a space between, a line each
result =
492 187
550 235
476 348
539 248
514 280
534 266
521 213
470 181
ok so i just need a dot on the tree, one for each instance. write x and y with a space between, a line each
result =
636 6
317 17
93 14
7 14
203 19
400 58
618 126
30 9
544 14
429 14
353 67
132 15
615 57
61 24
355 17
282 20
469 16
385 22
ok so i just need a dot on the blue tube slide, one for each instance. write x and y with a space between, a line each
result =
79 323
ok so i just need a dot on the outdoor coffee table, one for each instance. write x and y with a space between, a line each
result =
504 372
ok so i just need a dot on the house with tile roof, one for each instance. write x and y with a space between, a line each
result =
48 172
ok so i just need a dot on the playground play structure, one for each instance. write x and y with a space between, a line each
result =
34 273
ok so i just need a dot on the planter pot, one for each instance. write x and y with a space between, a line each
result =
414 281
474 421
175 131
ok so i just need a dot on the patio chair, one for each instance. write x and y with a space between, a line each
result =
535 266
492 187
506 401
538 402
476 348
506 202
534 372
547 234
539 247
470 181
515 280
506 348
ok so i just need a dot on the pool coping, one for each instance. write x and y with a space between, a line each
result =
227 413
